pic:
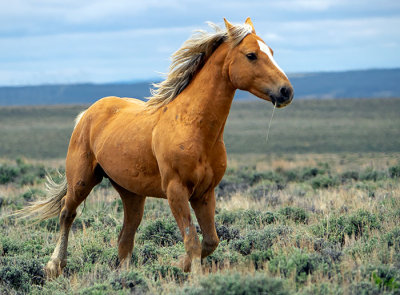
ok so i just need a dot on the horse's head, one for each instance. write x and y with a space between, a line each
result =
251 67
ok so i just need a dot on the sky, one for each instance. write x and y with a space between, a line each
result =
75 41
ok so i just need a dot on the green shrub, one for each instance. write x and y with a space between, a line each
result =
360 221
299 262
328 250
7 173
385 277
259 239
10 247
394 171
222 256
236 283
132 280
392 238
156 271
96 289
370 174
350 175
22 174
259 257
32 194
364 288
148 252
161 232
298 215
21 272
226 233
356 224
246 217
323 181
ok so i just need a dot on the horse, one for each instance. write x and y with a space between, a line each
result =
170 146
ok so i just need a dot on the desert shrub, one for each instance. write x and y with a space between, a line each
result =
226 233
223 256
236 283
161 232
132 280
303 174
156 271
299 262
246 217
7 173
22 174
298 215
392 238
259 257
95 250
96 289
370 174
21 272
328 250
336 227
349 175
364 288
385 277
323 181
321 288
9 247
258 239
148 252
261 190
361 221
229 186
394 171
32 194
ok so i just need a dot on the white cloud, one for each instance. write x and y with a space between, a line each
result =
55 41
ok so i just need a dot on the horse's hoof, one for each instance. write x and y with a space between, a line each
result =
53 269
187 264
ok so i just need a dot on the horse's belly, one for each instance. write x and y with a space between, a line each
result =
131 164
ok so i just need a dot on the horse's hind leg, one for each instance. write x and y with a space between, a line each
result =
133 213
81 179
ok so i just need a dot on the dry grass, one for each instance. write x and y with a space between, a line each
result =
303 257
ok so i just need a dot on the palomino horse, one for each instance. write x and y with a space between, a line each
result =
169 147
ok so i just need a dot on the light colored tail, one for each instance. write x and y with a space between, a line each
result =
48 208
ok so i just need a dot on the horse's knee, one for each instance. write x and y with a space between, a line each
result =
208 246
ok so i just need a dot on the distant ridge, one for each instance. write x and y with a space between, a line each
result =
379 83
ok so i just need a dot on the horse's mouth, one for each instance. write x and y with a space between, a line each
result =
278 102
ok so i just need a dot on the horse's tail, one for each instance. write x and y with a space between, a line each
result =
49 207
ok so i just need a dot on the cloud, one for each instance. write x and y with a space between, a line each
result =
47 40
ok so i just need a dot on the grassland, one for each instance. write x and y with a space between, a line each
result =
306 126
315 211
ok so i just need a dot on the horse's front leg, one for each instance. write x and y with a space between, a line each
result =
204 208
178 199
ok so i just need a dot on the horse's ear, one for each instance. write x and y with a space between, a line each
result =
228 26
249 22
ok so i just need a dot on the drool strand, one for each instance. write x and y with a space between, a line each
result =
270 121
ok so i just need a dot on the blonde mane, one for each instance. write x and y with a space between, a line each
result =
188 59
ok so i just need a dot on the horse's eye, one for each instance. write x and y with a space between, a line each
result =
251 56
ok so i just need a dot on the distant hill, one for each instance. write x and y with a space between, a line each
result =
350 84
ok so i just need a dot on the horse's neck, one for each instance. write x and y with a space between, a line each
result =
209 96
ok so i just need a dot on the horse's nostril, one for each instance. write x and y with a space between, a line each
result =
286 92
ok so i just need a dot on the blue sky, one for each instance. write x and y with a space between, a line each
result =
75 41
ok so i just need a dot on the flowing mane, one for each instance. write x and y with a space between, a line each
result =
188 59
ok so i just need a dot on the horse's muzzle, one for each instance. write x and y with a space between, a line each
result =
283 98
